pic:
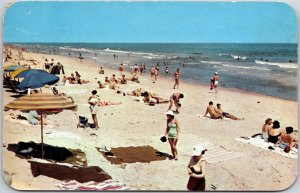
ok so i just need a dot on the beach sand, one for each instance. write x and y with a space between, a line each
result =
136 124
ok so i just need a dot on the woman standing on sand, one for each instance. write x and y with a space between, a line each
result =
196 170
121 69
216 82
172 132
176 76
94 101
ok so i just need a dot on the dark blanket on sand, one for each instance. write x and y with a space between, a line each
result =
52 153
144 154
62 172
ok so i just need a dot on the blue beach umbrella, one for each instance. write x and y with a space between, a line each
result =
28 72
37 80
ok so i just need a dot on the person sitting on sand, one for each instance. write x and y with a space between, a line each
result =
287 139
174 99
113 79
172 132
134 78
106 81
34 119
55 92
265 129
274 132
101 71
212 111
123 79
227 115
72 79
196 170
100 84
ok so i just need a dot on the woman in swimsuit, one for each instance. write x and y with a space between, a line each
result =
172 131
196 170
176 76
265 129
216 81
274 132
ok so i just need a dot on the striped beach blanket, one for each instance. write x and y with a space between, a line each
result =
93 186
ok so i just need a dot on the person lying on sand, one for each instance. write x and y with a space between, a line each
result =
106 103
211 110
152 98
227 115
79 80
136 92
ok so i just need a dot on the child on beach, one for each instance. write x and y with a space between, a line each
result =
172 132
196 170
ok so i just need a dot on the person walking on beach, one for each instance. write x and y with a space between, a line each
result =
216 82
153 74
176 76
212 111
93 102
196 170
131 68
174 99
121 69
172 132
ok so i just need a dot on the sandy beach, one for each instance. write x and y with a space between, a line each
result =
231 164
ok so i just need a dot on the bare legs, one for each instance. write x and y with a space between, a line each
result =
94 116
173 143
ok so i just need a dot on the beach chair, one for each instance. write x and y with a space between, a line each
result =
83 122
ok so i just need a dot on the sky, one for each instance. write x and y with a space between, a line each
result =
150 22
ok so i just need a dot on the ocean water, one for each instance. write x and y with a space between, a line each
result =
269 69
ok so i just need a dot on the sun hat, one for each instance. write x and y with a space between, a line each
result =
170 113
197 151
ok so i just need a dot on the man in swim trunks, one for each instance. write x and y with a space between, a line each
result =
212 111
227 115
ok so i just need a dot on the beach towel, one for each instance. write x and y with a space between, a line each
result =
24 122
259 142
93 186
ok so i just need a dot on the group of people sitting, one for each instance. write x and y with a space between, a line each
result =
218 113
113 81
74 79
284 139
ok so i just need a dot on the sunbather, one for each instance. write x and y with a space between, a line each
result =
100 84
227 115
265 129
34 119
287 139
211 110
274 132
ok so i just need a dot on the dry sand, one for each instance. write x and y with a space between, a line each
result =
137 124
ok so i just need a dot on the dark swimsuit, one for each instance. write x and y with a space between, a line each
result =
273 139
198 183
224 114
